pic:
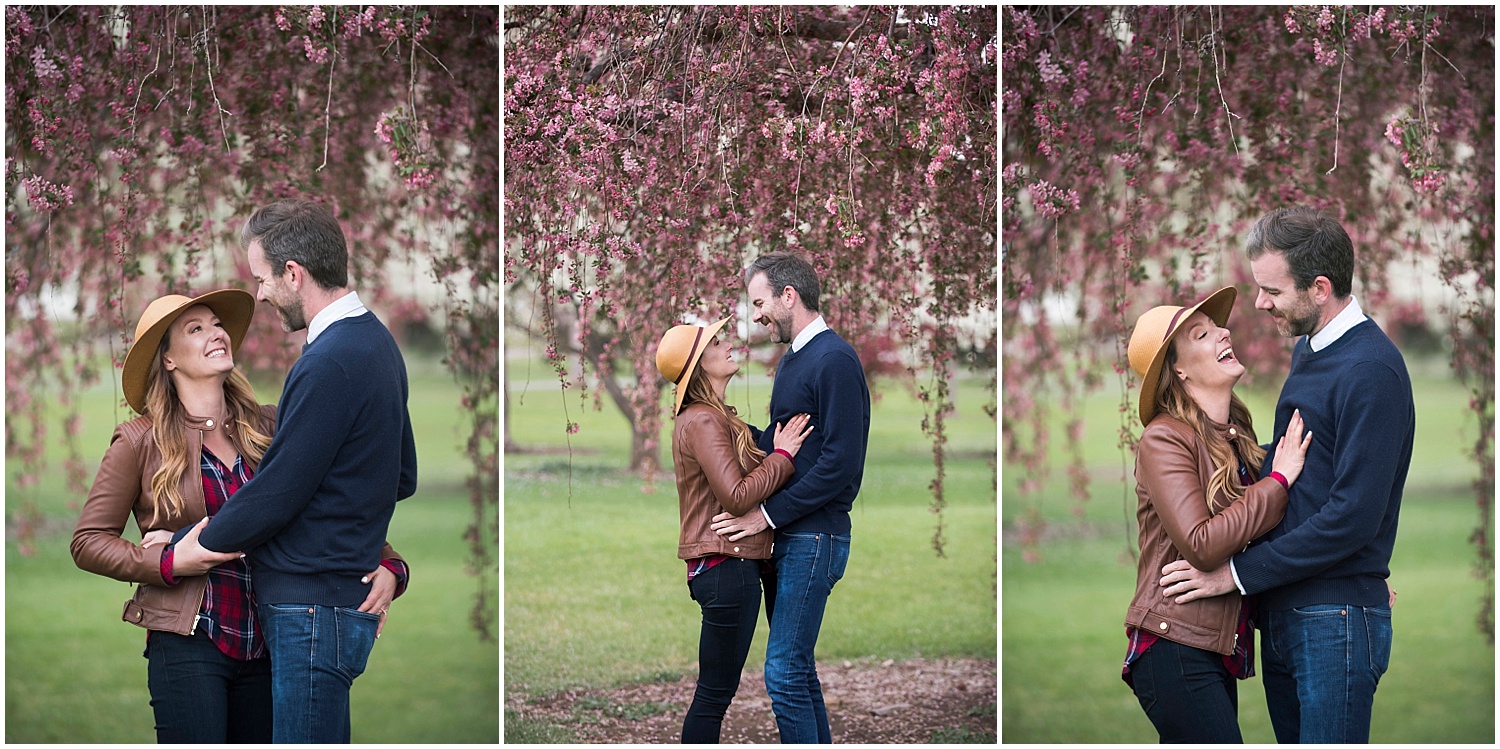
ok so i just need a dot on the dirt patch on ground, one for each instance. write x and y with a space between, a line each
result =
917 701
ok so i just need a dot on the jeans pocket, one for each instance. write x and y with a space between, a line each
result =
355 639
838 560
704 587
1321 610
1378 627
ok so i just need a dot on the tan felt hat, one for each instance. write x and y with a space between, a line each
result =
234 308
678 352
1153 331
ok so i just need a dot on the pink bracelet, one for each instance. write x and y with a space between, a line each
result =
1277 475
787 454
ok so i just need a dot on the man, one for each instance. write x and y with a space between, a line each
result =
820 375
1320 575
314 517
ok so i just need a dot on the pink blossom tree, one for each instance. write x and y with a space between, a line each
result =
1142 142
139 138
651 153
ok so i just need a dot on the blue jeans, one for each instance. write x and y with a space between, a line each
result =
201 696
1321 665
1188 694
316 653
807 567
729 595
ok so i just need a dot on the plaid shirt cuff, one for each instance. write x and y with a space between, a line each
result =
399 569
166 566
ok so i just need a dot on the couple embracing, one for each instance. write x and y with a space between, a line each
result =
259 621
1293 538
766 507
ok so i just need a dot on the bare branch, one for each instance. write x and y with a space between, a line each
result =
1339 106
223 130
1229 116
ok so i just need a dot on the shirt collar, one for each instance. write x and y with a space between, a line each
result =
1338 326
345 306
813 328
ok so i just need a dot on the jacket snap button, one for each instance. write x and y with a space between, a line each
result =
736 549
1163 626
1231 430
209 423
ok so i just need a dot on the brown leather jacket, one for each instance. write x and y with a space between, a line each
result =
710 480
122 488
1172 469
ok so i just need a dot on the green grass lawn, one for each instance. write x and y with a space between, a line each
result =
595 595
74 671
1062 633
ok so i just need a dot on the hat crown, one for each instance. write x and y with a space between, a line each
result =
1151 333
157 309
676 350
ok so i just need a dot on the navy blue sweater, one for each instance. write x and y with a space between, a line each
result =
314 517
1334 545
826 381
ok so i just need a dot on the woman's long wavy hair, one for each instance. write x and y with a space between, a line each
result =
166 412
1172 399
700 391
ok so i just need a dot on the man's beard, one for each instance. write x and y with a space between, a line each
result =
1299 325
293 316
781 328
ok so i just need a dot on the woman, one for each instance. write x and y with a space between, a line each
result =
719 469
199 438
1197 501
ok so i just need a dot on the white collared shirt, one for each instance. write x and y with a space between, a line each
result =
345 306
1338 326
813 328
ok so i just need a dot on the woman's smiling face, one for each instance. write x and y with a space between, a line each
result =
198 345
718 360
1205 357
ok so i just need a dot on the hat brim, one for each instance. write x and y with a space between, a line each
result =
692 365
1217 306
234 307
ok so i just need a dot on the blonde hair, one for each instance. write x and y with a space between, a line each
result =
1173 400
700 391
166 412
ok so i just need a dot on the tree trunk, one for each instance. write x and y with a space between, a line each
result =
642 461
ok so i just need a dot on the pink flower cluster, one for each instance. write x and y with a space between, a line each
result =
1051 73
1052 202
410 145
1324 56
1405 133
46 70
45 196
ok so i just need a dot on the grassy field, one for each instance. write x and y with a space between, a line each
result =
74 672
594 593
1062 638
